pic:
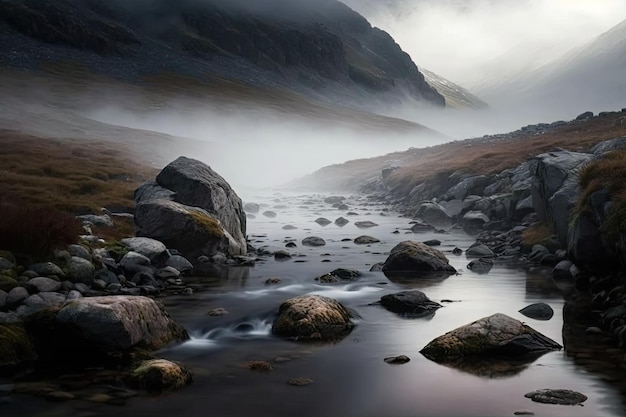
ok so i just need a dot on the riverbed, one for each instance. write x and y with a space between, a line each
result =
349 377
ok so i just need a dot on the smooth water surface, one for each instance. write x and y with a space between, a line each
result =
350 377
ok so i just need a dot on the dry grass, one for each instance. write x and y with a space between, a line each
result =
608 173
69 175
538 234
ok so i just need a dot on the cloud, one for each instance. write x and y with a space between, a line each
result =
461 39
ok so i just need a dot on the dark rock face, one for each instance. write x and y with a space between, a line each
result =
409 256
410 303
313 317
481 266
314 44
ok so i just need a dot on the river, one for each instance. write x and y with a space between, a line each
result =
350 377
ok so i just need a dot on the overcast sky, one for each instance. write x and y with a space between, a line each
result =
461 39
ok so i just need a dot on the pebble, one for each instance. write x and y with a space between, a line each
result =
300 382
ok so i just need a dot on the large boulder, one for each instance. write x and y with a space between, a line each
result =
146 246
115 323
410 256
313 317
200 199
191 230
496 335
434 213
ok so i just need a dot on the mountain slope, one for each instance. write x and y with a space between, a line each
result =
323 49
455 95
590 77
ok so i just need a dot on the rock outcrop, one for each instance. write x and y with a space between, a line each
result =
409 303
194 211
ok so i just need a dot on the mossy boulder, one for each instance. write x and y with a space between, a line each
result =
313 317
15 345
159 374
496 335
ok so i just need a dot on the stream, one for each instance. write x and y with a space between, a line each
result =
350 377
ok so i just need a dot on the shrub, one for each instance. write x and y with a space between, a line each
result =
36 230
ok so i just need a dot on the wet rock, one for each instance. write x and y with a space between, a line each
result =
157 375
313 317
113 323
481 266
166 273
300 382
339 275
432 242
557 396
538 311
421 227
434 213
282 254
291 245
322 221
474 221
365 240
150 248
180 263
457 251
365 224
259 366
409 256
334 199
411 303
289 227
271 281
397 360
269 213
341 221
251 208
479 250
313 241
496 335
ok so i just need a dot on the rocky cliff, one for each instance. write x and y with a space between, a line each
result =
321 48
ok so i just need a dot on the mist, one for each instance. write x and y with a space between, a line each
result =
468 41
257 148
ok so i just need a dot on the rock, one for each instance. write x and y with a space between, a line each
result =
291 245
15 345
479 250
433 213
269 213
397 360
300 382
313 241
338 275
282 254
106 276
46 269
150 190
197 185
457 251
96 220
7 283
341 221
289 227
134 262
365 240
538 311
16 296
334 199
432 242
557 396
610 145
157 375
166 273
343 207
113 323
584 116
420 226
42 284
481 266
251 208
468 186
365 224
322 221
180 263
410 303
6 264
313 317
493 336
150 248
3 299
80 270
259 366
191 230
38 302
409 256
474 221
80 251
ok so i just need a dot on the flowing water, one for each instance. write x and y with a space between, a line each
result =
350 377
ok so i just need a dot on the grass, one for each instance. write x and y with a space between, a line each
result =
606 173
538 234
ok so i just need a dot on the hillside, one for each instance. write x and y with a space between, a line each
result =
401 171
456 96
323 50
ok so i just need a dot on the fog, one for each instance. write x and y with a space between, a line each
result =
469 41
259 148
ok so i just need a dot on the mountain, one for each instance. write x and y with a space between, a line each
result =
322 49
455 95
589 77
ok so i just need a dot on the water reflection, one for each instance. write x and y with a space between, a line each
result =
490 367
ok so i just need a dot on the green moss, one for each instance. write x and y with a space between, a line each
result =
117 249
207 223
15 345
7 283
